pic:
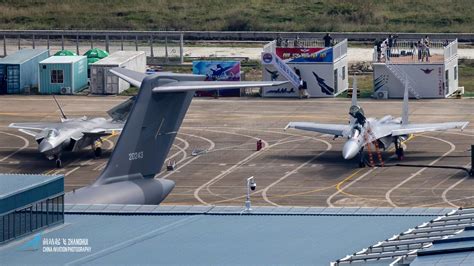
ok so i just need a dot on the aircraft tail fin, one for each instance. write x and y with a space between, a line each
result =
405 104
154 121
121 111
354 91
63 115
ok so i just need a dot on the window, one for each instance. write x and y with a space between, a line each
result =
57 76
455 72
343 73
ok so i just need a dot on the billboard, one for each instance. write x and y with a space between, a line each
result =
305 55
221 71
319 79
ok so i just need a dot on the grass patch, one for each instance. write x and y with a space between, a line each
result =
241 15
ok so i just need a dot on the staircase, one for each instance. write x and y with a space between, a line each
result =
403 77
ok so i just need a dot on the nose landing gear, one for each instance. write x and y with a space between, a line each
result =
59 163
399 149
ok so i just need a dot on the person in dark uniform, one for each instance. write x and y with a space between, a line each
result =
327 40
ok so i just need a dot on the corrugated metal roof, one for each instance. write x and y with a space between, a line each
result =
11 184
220 239
22 56
118 58
63 59
439 236
258 210
18 191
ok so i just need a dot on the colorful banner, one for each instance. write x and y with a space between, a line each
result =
295 55
218 70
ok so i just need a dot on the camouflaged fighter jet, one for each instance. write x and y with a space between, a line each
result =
73 134
146 138
384 132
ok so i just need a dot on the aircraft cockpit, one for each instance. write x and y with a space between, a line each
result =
358 113
52 133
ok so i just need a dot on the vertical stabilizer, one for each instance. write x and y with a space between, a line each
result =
148 134
354 91
405 104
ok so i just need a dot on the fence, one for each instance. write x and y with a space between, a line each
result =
412 51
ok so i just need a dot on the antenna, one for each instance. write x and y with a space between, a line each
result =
60 109
405 103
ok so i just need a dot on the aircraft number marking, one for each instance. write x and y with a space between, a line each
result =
135 156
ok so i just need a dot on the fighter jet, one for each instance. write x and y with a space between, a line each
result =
384 132
73 134
147 136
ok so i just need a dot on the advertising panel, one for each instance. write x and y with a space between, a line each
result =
308 55
221 71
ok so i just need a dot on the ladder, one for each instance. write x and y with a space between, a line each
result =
402 76
368 135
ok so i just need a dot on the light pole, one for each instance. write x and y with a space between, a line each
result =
251 185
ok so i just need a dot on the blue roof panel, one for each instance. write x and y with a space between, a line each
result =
22 56
213 239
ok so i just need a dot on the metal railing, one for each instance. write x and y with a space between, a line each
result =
411 51
340 50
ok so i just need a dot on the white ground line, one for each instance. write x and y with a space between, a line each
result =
329 199
279 142
27 143
267 131
264 192
212 145
181 150
230 169
445 192
389 192
72 171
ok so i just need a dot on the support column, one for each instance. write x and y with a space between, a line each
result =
77 44
33 41
107 43
181 48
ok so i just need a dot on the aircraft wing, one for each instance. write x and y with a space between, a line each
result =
332 129
200 85
34 126
132 77
106 128
419 128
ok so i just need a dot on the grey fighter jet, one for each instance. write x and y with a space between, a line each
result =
384 132
143 145
73 134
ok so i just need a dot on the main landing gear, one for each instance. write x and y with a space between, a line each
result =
361 158
59 163
399 149
97 148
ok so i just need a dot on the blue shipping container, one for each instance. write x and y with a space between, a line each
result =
19 71
63 74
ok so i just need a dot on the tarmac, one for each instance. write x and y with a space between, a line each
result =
295 168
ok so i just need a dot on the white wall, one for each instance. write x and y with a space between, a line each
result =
427 80
325 71
452 66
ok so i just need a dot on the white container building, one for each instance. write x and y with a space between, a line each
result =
104 82
433 76
324 69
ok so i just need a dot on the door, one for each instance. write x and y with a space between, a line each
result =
447 82
335 81
3 79
13 79
99 80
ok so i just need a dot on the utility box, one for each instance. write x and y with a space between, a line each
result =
63 74
104 82
18 71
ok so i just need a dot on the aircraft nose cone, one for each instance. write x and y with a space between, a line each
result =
45 146
350 149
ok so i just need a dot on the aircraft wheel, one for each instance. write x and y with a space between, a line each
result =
59 163
98 152
361 164
399 153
